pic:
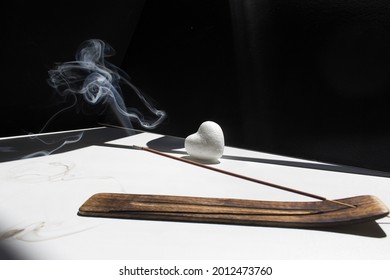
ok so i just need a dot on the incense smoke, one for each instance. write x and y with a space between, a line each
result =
92 79
98 82
67 140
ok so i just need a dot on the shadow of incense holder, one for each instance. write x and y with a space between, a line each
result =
235 211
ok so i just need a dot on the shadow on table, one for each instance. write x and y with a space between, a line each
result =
171 144
8 254
369 229
47 144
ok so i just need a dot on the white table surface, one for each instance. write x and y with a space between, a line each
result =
40 197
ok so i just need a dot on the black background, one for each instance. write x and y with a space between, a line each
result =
301 78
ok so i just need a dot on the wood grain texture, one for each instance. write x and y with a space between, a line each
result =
234 211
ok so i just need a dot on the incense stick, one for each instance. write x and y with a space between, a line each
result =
242 176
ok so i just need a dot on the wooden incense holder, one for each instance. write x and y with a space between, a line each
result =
234 211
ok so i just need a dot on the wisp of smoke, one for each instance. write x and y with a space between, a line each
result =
98 82
68 140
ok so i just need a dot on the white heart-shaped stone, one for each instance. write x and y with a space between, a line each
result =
207 143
